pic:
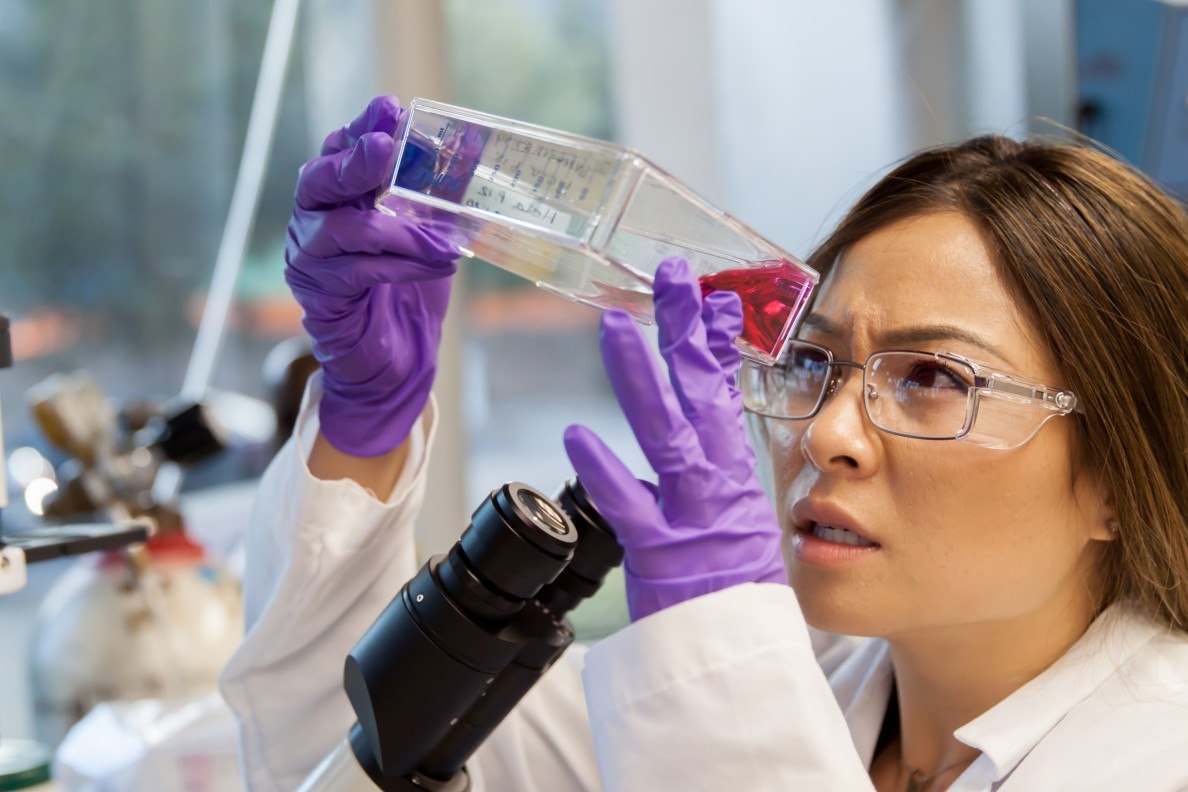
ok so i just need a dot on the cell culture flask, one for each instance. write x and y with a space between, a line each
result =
584 218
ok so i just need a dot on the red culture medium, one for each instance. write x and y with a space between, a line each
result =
770 293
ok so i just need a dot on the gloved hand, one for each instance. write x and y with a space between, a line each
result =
374 288
708 525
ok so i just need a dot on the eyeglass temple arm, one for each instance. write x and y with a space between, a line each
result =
1054 399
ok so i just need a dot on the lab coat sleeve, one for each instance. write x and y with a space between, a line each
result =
719 692
324 558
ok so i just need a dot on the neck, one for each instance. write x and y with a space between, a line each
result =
946 677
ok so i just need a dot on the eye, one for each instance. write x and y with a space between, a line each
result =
934 375
807 360
807 369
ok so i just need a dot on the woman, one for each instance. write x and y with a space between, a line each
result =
978 446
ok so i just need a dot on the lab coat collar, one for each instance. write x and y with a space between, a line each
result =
1007 732
862 686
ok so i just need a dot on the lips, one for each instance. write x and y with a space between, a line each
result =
806 513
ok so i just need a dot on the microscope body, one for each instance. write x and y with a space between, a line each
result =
475 629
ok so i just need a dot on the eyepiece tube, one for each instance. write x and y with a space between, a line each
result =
518 540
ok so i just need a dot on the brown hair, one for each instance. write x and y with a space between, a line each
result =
1097 256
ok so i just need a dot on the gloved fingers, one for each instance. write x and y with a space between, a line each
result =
347 175
698 379
381 115
627 503
348 229
350 275
407 316
646 397
721 313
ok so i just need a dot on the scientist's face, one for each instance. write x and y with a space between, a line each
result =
964 534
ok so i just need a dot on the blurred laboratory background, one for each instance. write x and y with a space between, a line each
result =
122 135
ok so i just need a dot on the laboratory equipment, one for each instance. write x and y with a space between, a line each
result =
159 620
25 764
587 219
150 461
466 638
152 745
18 551
287 369
118 457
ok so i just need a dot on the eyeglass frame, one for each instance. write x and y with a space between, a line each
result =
987 378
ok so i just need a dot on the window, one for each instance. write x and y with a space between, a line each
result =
122 135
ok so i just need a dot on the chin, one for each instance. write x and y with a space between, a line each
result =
836 610
834 620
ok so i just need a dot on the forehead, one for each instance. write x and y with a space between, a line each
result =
934 270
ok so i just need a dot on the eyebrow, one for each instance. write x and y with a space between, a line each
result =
902 336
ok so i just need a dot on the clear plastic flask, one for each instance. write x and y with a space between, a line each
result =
584 218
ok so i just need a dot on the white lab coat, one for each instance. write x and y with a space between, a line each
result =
721 692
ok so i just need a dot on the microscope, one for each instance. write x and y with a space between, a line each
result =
466 639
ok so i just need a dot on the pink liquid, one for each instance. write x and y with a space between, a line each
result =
771 294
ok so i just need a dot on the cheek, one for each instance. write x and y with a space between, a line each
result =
991 534
971 534
787 462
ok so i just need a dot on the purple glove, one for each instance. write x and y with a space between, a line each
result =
708 525
374 288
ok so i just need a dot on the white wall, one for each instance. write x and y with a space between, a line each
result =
811 101
782 111
663 62
1050 53
995 66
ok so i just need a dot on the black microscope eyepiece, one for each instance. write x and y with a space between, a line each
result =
598 549
598 552
518 541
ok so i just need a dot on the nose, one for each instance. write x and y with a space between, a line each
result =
840 439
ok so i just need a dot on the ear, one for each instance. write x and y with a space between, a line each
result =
1095 504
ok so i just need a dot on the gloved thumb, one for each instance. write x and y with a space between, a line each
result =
347 175
382 114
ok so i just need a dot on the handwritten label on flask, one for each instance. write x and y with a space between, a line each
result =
551 187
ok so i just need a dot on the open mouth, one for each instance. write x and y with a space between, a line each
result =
827 534
835 535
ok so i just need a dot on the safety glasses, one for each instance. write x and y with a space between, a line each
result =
926 395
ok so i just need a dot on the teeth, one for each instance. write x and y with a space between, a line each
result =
840 536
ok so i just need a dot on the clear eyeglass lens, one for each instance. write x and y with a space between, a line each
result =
790 389
917 394
806 376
